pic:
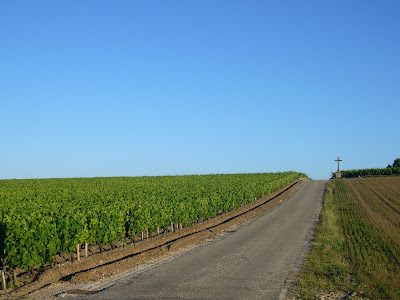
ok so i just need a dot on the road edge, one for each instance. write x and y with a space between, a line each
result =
299 263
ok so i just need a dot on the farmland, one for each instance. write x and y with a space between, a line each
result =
357 245
40 219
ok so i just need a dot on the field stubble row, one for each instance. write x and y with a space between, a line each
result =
362 257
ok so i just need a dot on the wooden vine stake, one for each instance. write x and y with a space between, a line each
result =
147 234
158 230
172 226
15 277
77 253
3 280
86 250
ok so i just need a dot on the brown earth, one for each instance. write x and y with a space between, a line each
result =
112 261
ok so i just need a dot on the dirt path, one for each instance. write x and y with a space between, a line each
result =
67 277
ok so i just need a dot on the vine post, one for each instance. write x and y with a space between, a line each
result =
3 280
15 277
78 257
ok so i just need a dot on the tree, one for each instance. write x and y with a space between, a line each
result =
396 163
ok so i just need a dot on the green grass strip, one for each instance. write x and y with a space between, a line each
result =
326 270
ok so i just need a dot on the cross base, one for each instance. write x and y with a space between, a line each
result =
338 175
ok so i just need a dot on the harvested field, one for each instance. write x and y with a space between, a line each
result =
371 222
357 246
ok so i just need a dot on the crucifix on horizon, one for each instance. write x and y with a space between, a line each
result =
338 172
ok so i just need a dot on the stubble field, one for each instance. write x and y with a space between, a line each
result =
356 252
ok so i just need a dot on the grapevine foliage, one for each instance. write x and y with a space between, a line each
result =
42 218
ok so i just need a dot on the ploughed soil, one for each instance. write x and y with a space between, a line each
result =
113 260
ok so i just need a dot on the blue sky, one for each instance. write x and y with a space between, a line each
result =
133 88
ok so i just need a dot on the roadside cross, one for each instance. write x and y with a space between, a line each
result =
338 163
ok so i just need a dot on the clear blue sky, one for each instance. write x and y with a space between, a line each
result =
132 88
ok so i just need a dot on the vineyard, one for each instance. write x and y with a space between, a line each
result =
41 219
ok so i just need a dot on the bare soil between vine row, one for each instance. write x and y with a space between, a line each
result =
113 261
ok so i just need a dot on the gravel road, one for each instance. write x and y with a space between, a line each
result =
254 261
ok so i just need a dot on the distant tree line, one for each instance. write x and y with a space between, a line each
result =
396 164
393 169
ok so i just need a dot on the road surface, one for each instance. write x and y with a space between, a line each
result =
253 261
